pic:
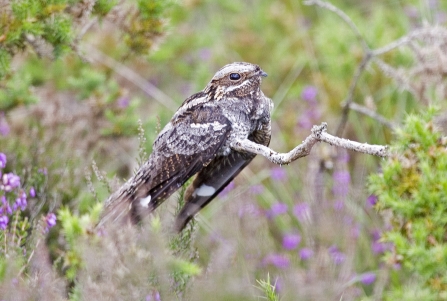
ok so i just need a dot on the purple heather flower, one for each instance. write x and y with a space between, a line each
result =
377 246
278 260
50 220
257 189
309 94
154 296
376 234
371 201
304 121
3 222
43 171
4 126
32 192
277 209
123 102
291 241
306 253
337 256
20 202
2 160
302 211
9 182
278 174
368 278
227 189
355 230
342 178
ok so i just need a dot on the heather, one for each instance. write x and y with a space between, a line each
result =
85 86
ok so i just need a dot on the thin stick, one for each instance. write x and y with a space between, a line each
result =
374 115
132 77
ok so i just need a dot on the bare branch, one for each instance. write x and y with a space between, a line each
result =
350 96
133 77
370 113
344 17
319 134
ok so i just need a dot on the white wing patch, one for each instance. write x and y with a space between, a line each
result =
217 126
144 202
204 190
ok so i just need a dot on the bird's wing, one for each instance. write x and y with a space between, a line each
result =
188 143
211 180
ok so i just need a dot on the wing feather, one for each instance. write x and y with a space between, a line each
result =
211 180
184 147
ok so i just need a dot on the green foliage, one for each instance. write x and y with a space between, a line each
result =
268 289
75 228
17 91
103 7
145 25
67 107
412 186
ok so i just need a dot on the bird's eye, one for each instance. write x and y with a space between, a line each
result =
235 76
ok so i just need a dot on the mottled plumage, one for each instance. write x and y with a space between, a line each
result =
197 141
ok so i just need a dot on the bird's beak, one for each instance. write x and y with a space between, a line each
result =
262 73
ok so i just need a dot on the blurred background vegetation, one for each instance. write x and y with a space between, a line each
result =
77 76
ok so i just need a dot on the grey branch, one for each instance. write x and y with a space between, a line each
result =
374 115
319 134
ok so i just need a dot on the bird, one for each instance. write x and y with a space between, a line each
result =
197 142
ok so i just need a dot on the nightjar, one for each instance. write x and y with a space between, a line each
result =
198 140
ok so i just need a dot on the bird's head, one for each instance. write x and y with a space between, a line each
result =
236 79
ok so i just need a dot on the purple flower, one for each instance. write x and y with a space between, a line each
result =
302 211
278 260
154 296
377 246
32 192
257 189
306 253
3 222
50 219
371 201
291 241
278 174
20 202
277 209
342 156
9 182
43 171
4 127
309 94
2 160
337 256
123 102
368 278
342 178
304 121
227 189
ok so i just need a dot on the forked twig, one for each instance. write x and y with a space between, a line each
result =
319 134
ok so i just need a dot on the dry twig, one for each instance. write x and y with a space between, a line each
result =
319 134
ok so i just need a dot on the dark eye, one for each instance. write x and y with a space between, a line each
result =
235 76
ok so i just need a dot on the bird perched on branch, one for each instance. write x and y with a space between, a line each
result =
198 140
